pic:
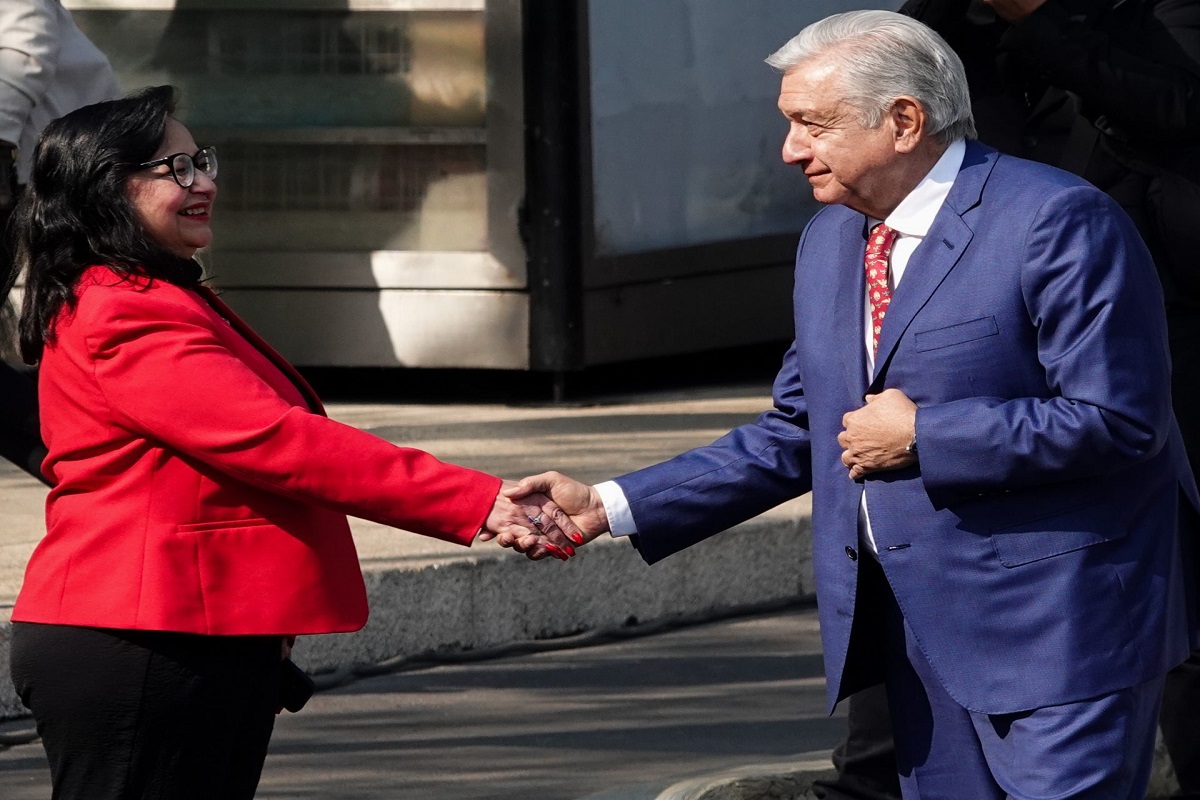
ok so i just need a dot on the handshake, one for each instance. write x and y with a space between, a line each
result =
545 515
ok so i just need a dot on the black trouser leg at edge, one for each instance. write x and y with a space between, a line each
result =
1180 716
1180 721
866 759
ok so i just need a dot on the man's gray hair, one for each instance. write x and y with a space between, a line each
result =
881 55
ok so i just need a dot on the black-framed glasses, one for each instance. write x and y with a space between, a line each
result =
184 167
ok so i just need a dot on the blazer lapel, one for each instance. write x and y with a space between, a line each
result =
848 312
932 261
247 333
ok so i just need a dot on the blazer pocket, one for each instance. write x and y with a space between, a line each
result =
1055 534
960 333
221 525
245 569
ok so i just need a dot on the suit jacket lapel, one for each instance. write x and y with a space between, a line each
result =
936 256
851 294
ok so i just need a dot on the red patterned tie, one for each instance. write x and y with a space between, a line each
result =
879 249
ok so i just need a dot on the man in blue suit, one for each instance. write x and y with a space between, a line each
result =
978 397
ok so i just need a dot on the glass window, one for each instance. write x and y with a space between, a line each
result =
686 136
337 130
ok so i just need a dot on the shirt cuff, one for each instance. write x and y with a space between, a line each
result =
620 516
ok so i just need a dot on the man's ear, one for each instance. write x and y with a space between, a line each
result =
907 117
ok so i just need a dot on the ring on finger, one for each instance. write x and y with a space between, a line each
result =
537 521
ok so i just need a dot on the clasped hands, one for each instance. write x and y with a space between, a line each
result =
565 513
545 515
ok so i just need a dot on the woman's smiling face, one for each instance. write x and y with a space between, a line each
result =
176 218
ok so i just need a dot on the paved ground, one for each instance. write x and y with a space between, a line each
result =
621 721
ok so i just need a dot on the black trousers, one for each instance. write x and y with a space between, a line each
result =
148 715
866 759
1180 716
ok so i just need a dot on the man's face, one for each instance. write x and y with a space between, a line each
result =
844 162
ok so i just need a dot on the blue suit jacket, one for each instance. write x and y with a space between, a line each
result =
1034 548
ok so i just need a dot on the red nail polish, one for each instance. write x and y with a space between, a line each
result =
577 538
570 551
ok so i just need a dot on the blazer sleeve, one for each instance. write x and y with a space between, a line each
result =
166 376
704 491
1090 291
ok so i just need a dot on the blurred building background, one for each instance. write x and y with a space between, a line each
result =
512 184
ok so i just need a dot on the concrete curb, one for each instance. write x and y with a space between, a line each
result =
10 704
493 599
784 780
788 779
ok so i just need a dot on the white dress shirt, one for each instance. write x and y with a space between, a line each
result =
911 219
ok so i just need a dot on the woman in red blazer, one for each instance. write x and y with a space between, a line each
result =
198 515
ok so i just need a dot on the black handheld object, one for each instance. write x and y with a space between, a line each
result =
295 687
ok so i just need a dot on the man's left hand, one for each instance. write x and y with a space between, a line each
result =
878 435
1014 10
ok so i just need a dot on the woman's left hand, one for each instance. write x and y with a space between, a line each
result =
533 525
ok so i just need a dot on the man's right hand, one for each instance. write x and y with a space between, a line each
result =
579 500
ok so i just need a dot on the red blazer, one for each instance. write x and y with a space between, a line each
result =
199 487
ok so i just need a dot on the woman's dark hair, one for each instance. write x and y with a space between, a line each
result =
75 212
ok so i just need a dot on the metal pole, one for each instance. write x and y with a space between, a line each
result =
555 53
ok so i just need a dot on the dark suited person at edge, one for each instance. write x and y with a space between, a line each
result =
1108 90
47 68
996 529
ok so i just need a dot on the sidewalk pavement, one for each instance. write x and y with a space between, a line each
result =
649 717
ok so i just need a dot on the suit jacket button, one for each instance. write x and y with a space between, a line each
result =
851 553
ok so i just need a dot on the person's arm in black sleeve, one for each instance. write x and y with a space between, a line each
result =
941 15
20 440
1147 81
